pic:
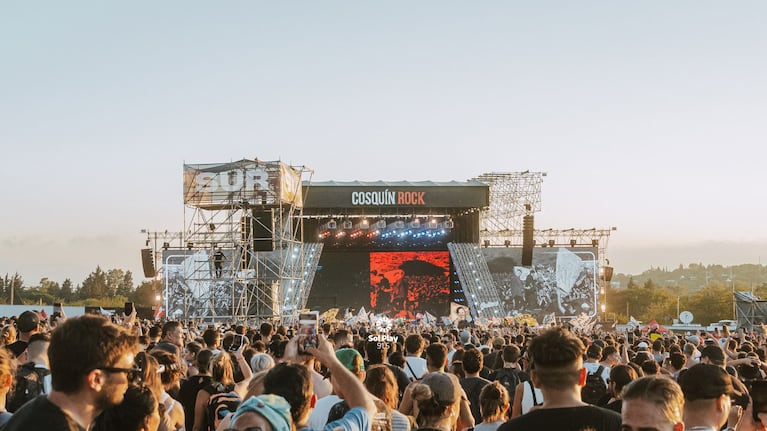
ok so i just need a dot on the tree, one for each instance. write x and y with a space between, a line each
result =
119 282
67 293
95 285
10 287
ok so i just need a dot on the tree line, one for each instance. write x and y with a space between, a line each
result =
111 288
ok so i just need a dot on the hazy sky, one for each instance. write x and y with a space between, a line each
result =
648 116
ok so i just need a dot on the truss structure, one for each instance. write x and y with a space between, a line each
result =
243 254
562 238
512 195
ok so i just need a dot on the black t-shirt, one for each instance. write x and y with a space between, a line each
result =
473 386
17 347
187 396
566 419
41 414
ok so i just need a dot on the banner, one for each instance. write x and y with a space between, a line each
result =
213 186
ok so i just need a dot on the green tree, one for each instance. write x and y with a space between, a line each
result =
10 288
146 293
67 292
95 285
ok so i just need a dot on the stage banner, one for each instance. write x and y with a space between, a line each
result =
213 186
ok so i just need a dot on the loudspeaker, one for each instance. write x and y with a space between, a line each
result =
263 228
527 240
147 260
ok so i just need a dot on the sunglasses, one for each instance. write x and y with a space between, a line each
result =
132 374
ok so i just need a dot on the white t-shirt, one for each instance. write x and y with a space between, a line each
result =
319 416
418 366
592 367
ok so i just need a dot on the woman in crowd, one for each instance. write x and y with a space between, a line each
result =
150 379
436 402
620 376
170 376
221 381
187 395
191 350
494 406
139 411
8 335
380 381
7 374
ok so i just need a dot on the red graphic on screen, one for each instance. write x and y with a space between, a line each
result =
403 284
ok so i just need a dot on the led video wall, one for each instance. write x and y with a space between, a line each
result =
399 284
562 280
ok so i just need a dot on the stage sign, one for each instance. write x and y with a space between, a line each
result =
380 194
252 182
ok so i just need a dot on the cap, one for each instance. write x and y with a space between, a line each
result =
714 353
710 341
498 342
442 387
693 339
642 345
28 321
346 356
705 382
272 407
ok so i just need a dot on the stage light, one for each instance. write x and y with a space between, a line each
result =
332 224
551 243
432 224
415 223
573 242
364 224
448 224
347 224
507 243
380 224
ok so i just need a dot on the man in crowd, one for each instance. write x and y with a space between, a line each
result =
33 378
491 358
472 384
212 339
172 338
557 358
707 390
91 363
415 365
27 324
652 403
592 365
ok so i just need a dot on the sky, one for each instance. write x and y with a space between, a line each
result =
646 116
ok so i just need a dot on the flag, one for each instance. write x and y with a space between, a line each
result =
159 312
549 319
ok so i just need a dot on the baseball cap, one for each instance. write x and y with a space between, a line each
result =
272 407
642 345
28 321
705 382
442 387
347 358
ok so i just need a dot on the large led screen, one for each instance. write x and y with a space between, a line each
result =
561 280
399 284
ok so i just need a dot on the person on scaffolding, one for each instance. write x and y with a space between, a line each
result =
218 262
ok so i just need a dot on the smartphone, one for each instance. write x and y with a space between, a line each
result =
237 342
128 308
57 308
307 332
758 392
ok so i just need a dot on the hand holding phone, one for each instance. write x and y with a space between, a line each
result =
128 308
307 332
237 343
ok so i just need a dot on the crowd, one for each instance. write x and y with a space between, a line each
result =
95 373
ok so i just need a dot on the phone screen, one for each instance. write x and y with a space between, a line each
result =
57 307
236 342
307 331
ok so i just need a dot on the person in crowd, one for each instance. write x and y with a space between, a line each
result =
675 364
256 384
139 411
263 412
149 377
592 364
376 355
436 400
652 403
448 339
353 361
191 349
7 373
32 378
493 359
557 358
707 390
266 331
342 339
415 365
472 384
172 338
91 362
380 382
27 324
261 362
456 366
620 376
221 381
212 339
187 394
170 376
494 405
7 335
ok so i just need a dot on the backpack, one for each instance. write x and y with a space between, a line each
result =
595 388
508 378
29 383
220 405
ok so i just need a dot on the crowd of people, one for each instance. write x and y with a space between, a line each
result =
95 373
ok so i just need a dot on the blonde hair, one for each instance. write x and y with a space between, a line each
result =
222 370
8 335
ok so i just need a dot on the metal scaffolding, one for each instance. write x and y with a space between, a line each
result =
243 253
512 195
